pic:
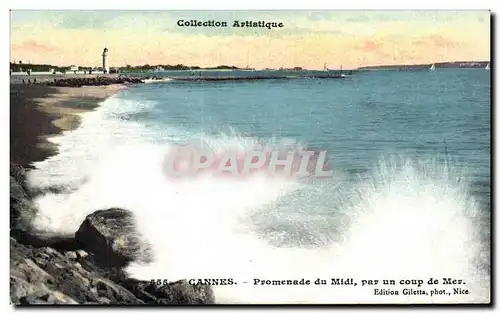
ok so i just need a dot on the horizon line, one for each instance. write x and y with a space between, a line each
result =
249 67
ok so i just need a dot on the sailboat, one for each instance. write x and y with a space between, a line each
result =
433 67
487 66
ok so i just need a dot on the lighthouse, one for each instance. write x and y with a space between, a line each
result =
105 64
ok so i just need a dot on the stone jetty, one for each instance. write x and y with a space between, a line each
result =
93 81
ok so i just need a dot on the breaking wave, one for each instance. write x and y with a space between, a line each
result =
410 219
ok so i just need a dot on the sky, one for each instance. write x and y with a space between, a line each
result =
308 39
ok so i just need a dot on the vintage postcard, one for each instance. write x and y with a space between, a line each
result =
250 157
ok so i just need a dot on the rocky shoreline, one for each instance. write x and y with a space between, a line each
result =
93 81
75 80
86 268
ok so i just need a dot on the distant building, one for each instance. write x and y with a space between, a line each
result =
105 64
73 68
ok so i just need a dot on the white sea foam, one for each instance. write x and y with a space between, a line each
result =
411 221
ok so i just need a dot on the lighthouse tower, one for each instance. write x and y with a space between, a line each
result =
105 64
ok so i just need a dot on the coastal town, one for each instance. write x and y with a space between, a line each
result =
76 76
22 72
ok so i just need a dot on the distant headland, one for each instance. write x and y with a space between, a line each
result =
406 67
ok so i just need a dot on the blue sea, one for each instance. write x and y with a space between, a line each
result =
409 199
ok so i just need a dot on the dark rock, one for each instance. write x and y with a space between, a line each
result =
19 174
59 242
94 81
111 291
22 209
17 191
46 276
103 300
145 296
71 255
53 297
19 287
32 299
112 237
180 292
55 269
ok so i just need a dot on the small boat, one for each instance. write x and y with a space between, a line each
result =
433 67
487 66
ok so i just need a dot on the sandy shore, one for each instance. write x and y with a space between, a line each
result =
68 102
39 111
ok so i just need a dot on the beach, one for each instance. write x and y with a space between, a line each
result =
39 111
